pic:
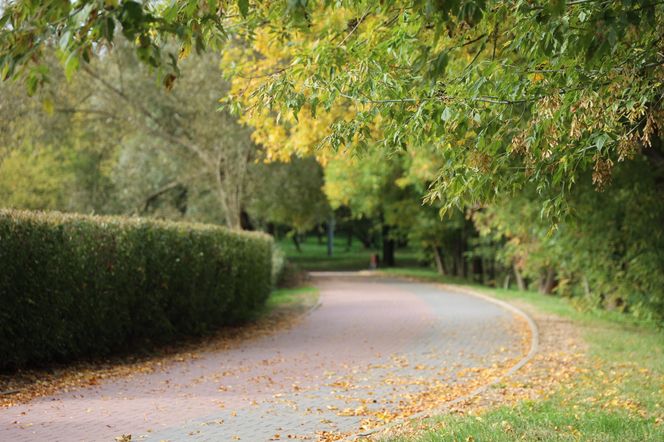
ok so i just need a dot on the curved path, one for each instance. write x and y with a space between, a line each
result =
370 349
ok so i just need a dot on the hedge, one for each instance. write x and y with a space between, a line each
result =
74 285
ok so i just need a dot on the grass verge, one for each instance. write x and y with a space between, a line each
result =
289 299
616 394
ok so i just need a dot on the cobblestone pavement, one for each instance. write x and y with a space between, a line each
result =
371 345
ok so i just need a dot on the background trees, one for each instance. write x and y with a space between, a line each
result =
290 194
114 126
533 127
201 143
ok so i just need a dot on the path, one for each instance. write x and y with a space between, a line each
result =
372 347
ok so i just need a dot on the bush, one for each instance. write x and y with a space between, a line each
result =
73 285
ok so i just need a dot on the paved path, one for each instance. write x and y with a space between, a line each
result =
370 346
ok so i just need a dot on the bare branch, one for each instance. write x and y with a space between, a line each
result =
163 133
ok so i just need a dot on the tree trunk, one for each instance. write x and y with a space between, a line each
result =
296 241
548 281
366 241
440 265
520 282
330 236
245 221
319 233
491 266
233 220
586 286
506 283
478 270
349 242
388 247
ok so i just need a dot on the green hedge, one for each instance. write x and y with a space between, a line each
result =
73 285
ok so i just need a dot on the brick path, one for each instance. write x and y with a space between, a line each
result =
370 344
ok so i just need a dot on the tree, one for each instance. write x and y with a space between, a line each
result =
368 185
50 158
609 251
116 141
196 139
289 193
509 93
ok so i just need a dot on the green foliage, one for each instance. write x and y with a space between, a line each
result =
365 184
73 286
608 252
35 179
507 94
28 28
113 141
290 194
174 143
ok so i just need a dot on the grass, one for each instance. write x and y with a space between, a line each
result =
356 257
619 397
289 297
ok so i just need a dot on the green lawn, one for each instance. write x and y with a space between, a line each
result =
314 255
281 298
619 397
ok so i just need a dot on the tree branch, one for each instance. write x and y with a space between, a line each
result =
357 24
163 133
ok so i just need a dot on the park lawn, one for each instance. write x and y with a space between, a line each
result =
313 256
618 396
291 297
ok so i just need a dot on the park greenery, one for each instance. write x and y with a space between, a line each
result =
502 141
76 286
507 143
517 147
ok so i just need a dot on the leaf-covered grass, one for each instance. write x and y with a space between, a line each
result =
314 257
618 395
550 420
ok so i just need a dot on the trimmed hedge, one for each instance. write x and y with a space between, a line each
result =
73 285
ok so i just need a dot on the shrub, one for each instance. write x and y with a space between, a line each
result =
73 285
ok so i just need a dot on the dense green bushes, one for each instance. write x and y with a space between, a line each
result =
75 285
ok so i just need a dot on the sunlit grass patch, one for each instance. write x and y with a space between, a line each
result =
549 420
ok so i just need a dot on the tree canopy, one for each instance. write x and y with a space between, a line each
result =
508 93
